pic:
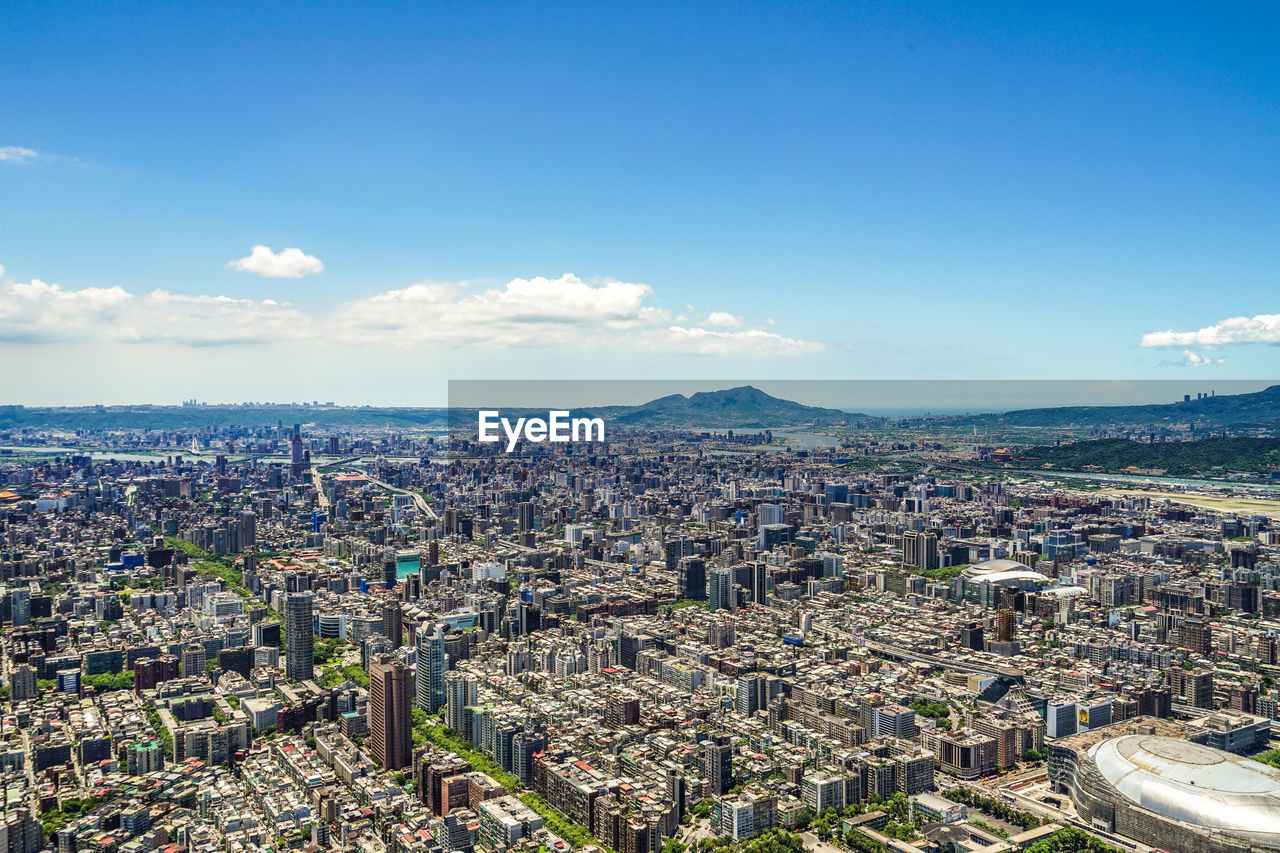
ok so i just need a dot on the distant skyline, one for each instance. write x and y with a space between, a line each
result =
285 201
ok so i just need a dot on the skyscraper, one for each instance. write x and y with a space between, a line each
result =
717 764
295 451
760 582
393 622
772 514
693 578
431 667
299 664
1006 626
389 718
461 692
720 589
920 550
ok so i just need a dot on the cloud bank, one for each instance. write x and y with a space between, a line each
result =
524 313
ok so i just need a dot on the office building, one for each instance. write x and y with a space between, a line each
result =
390 723
299 640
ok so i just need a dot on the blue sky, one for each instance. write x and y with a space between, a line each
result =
640 190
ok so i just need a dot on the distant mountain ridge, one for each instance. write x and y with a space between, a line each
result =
744 407
1256 409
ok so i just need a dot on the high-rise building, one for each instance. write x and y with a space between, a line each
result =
717 764
22 683
150 672
238 660
393 622
1196 635
461 692
760 583
720 589
749 693
621 710
431 668
266 634
20 832
299 639
525 744
693 578
193 660
920 550
295 451
771 514
20 606
389 717
1006 626
1191 687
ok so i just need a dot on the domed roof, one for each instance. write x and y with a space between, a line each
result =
1196 784
999 571
992 566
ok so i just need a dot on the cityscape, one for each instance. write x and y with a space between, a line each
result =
567 427
840 633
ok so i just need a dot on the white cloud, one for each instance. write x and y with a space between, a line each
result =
724 320
38 312
748 342
1261 329
539 312
524 313
1191 358
290 263
17 154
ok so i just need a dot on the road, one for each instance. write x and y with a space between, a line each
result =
899 653
507 543
418 499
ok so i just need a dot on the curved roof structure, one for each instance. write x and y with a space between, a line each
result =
992 566
1065 591
1000 571
1196 784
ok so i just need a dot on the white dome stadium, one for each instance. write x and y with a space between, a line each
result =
1194 784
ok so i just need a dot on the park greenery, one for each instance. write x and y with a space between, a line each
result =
1268 756
1070 840
166 739
574 833
776 840
1177 458
428 729
943 573
106 681
69 810
993 807
932 710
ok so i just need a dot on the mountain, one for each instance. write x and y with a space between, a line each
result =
744 407
736 408
1258 409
